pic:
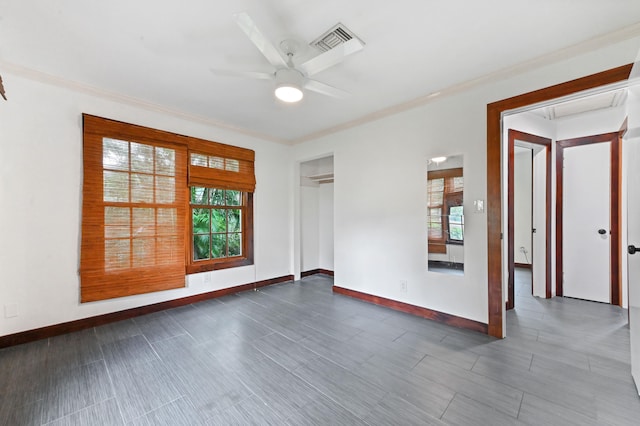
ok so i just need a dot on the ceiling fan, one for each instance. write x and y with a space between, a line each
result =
291 78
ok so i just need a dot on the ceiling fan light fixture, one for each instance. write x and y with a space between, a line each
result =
289 93
289 85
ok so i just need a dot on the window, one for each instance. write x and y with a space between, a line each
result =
149 215
218 226
221 184
445 223
456 224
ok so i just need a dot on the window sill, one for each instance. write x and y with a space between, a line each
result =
195 268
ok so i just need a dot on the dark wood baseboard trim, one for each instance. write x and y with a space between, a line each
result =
81 324
316 271
523 265
415 310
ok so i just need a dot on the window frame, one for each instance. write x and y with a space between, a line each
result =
205 265
449 199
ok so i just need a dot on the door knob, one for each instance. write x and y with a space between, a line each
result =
602 231
633 249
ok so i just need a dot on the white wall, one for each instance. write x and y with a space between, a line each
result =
380 206
310 227
325 224
522 195
379 196
40 204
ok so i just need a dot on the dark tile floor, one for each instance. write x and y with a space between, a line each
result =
298 354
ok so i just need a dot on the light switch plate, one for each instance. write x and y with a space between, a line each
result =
478 206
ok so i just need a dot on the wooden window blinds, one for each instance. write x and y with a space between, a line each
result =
216 165
135 207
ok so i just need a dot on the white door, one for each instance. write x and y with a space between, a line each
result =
585 224
631 145
539 240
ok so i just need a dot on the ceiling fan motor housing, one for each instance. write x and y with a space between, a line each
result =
289 77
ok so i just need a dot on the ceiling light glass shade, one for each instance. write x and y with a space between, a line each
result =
289 93
289 85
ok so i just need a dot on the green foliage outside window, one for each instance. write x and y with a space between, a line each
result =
217 223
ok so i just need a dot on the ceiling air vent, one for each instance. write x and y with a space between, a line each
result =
334 37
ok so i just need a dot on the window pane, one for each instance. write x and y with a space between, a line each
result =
216 197
144 252
457 184
456 223
167 221
199 195
434 223
168 249
436 198
232 165
116 186
115 154
235 220
201 247
219 245
165 161
235 244
165 189
456 213
116 254
216 163
218 220
198 160
116 222
141 158
141 188
144 222
435 185
201 221
455 232
435 230
233 198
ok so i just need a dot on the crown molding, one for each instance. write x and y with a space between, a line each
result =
45 78
571 51
577 49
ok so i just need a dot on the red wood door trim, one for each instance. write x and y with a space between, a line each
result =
494 173
615 201
514 135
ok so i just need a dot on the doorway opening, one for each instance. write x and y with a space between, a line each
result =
496 306
529 224
316 216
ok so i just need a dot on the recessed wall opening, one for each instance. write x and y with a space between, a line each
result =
316 216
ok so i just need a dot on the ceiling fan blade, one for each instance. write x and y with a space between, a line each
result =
246 74
331 57
325 89
265 46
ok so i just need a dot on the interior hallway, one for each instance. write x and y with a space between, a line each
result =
299 354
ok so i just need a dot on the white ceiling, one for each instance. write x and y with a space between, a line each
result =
161 51
600 101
